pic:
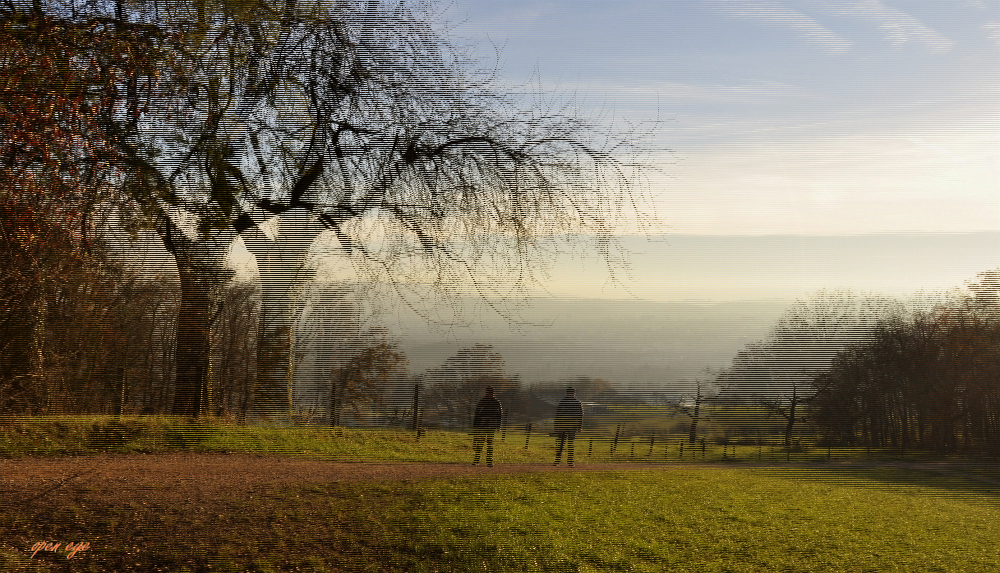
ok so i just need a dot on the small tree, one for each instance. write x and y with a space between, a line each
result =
691 406
454 388
790 408
361 380
233 366
269 395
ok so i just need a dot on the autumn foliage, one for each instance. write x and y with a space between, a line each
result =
71 93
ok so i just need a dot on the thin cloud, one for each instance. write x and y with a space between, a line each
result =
898 27
993 32
746 93
976 4
776 13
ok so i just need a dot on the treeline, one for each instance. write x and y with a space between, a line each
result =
74 325
868 370
80 332
83 333
930 382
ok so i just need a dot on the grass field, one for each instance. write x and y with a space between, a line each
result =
679 518
83 435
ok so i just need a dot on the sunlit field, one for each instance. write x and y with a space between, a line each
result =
746 509
707 519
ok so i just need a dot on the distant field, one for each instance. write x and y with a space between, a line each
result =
818 517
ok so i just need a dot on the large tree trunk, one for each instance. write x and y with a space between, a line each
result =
201 271
281 267
192 354
693 431
790 418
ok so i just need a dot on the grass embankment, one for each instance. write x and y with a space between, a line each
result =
84 435
675 518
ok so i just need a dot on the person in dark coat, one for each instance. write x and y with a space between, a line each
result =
568 421
485 422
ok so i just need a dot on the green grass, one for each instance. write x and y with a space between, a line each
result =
680 520
86 435
867 517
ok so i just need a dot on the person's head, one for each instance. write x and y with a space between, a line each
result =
489 390
571 391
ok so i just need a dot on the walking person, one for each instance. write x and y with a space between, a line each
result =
485 422
568 421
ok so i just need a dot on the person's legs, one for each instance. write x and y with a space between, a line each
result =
560 442
477 446
569 448
489 450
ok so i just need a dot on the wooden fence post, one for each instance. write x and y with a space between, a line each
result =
416 409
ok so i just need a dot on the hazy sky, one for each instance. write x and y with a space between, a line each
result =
783 116
807 144
813 144
779 118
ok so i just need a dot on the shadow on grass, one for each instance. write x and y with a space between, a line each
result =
965 478
188 435
113 434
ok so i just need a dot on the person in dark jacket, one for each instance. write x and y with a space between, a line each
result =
485 422
568 421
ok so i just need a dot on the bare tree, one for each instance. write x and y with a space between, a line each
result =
790 408
803 341
692 406
359 113
233 351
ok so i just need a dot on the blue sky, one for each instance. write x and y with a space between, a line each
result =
782 116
